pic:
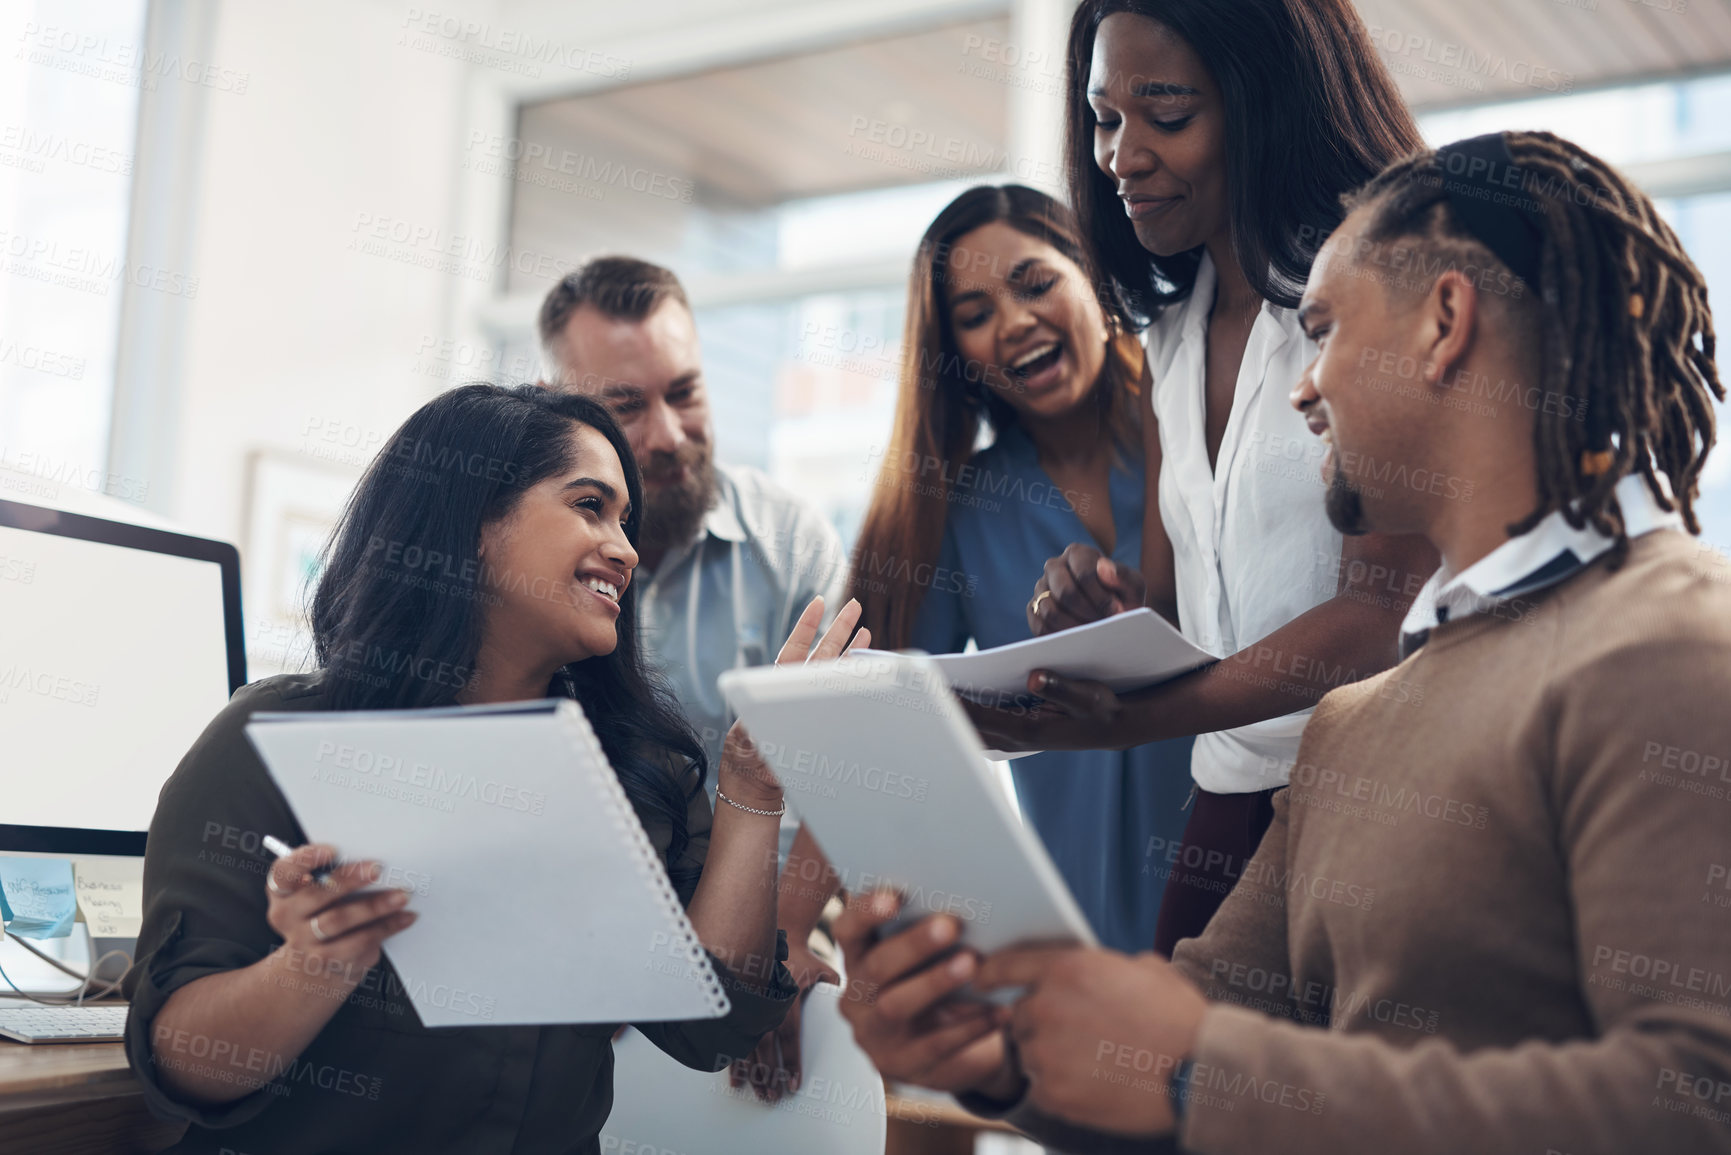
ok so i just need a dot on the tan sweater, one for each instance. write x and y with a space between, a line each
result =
1497 897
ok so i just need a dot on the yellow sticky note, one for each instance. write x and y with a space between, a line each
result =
111 895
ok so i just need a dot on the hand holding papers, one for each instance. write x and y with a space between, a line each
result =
1128 651
1125 651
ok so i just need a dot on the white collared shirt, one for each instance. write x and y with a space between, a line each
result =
730 597
1251 541
1550 552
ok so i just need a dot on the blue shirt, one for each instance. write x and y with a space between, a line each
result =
729 598
1107 817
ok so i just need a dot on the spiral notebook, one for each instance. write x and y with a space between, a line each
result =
541 898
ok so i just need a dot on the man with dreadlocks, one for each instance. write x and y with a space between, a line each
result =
1491 914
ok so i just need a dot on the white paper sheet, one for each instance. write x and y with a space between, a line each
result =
1127 651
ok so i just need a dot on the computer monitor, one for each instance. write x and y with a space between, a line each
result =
118 645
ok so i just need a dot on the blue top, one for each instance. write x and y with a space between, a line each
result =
1107 817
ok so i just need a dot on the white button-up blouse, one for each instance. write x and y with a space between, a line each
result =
1252 543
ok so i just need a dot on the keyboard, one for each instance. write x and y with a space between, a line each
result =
39 1024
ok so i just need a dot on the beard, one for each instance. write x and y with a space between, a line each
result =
672 514
1345 505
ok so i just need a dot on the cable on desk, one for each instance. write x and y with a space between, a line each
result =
87 980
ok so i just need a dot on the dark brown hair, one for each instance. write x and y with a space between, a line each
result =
1311 113
1624 329
942 402
621 287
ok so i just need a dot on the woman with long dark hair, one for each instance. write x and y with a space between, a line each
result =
1005 336
486 556
1210 142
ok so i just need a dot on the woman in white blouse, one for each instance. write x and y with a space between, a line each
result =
1210 142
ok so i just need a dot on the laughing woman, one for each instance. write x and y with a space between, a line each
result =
1005 336
262 1012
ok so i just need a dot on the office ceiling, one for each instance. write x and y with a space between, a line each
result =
1456 52
934 104
866 115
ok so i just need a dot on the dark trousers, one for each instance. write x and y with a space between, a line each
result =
1223 833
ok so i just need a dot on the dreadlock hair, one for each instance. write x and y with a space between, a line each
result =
1625 331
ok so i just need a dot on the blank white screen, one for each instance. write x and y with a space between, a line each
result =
112 661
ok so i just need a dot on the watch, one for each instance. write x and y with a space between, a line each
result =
1179 1088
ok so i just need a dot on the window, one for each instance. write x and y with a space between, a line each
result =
1647 129
68 115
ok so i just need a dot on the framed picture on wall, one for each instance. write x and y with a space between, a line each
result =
293 502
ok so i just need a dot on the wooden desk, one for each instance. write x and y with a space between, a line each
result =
81 1099
935 1126
75 1099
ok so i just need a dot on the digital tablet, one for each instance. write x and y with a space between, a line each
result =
876 756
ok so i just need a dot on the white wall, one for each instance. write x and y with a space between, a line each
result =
293 327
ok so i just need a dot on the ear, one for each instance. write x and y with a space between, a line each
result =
1451 313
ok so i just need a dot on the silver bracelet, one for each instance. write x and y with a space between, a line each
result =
752 809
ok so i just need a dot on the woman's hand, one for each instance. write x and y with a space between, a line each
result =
1071 714
743 774
1082 585
734 908
1099 1034
898 1003
336 935
774 1068
275 1007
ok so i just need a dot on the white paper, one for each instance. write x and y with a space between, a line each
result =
539 902
1128 651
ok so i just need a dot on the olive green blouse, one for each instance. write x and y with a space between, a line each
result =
373 1079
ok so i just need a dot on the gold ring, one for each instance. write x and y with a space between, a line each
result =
1038 598
317 932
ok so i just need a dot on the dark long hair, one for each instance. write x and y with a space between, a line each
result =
399 609
941 403
1311 113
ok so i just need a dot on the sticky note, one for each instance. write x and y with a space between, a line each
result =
36 897
111 895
